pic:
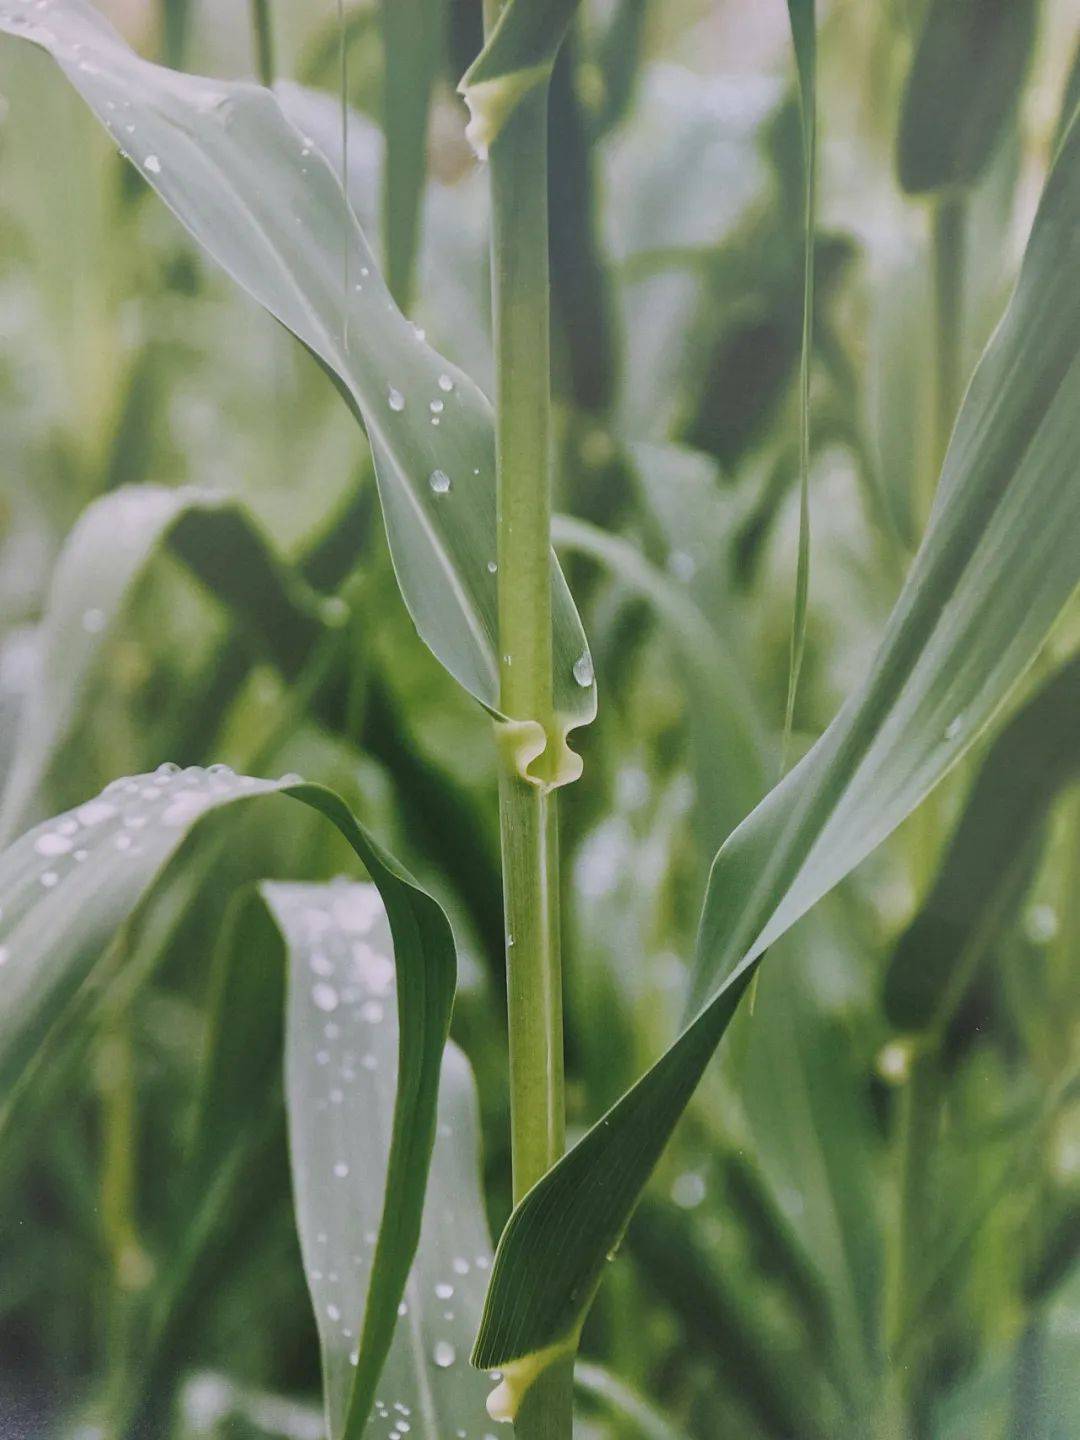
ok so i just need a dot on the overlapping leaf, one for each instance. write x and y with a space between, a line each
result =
66 888
261 199
109 548
999 560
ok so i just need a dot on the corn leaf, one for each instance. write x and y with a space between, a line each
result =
262 200
110 547
412 45
341 1064
991 854
964 83
66 888
997 564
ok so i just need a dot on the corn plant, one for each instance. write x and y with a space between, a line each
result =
822 1107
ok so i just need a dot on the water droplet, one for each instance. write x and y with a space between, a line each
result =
1041 924
445 384
436 407
324 996
444 1291
153 164
395 399
93 621
49 879
333 1312
460 1265
371 1011
493 566
444 1354
168 768
219 768
440 482
341 1170
583 670
52 844
688 1191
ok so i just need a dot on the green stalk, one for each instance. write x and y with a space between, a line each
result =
264 41
915 1155
950 218
520 295
528 821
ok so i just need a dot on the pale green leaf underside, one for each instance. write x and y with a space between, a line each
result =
69 885
341 1080
1000 559
264 203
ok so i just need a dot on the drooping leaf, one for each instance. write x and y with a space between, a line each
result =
66 888
965 80
341 1063
109 548
268 208
1033 758
997 564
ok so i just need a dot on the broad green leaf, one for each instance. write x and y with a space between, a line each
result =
991 853
998 562
518 57
804 35
341 1080
412 45
262 200
965 80
66 888
109 548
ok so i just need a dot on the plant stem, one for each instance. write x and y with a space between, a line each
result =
950 218
264 41
520 296
915 1150
533 978
528 822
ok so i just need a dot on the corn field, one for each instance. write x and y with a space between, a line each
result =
543 899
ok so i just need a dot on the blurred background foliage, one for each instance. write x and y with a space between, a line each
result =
757 1270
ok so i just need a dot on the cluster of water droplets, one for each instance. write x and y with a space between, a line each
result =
138 817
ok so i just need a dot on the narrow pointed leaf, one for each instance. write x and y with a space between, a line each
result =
999 561
341 1081
66 888
264 203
